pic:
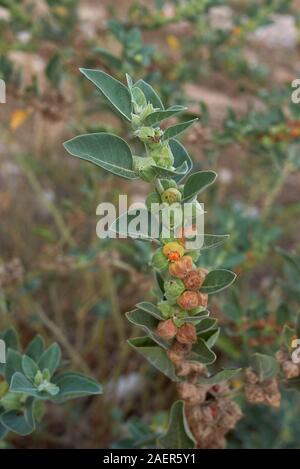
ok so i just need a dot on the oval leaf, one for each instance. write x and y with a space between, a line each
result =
158 116
73 384
178 129
202 353
148 323
181 156
50 359
163 172
155 355
217 280
151 95
105 150
196 183
178 435
265 366
113 90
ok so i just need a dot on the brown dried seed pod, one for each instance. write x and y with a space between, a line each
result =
186 334
166 329
181 267
188 300
194 279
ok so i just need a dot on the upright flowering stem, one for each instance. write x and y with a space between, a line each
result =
179 332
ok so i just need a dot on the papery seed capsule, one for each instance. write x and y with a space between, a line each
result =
186 334
194 279
188 300
166 329
173 251
171 195
181 268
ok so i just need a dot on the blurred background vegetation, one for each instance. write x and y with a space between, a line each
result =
232 62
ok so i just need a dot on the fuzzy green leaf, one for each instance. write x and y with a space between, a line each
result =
196 183
202 353
265 366
23 424
29 367
20 384
50 359
105 150
151 95
178 435
148 323
150 309
155 355
177 129
73 384
13 364
158 116
217 280
181 156
205 325
113 90
36 347
164 172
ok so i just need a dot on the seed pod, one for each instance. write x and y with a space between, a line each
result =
186 334
144 133
162 155
167 183
165 308
188 300
11 401
194 279
181 268
171 195
173 251
166 329
143 166
173 289
159 261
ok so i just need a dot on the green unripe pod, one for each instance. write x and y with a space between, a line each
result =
165 308
179 316
167 183
145 133
162 156
143 166
159 261
173 289
12 401
171 195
